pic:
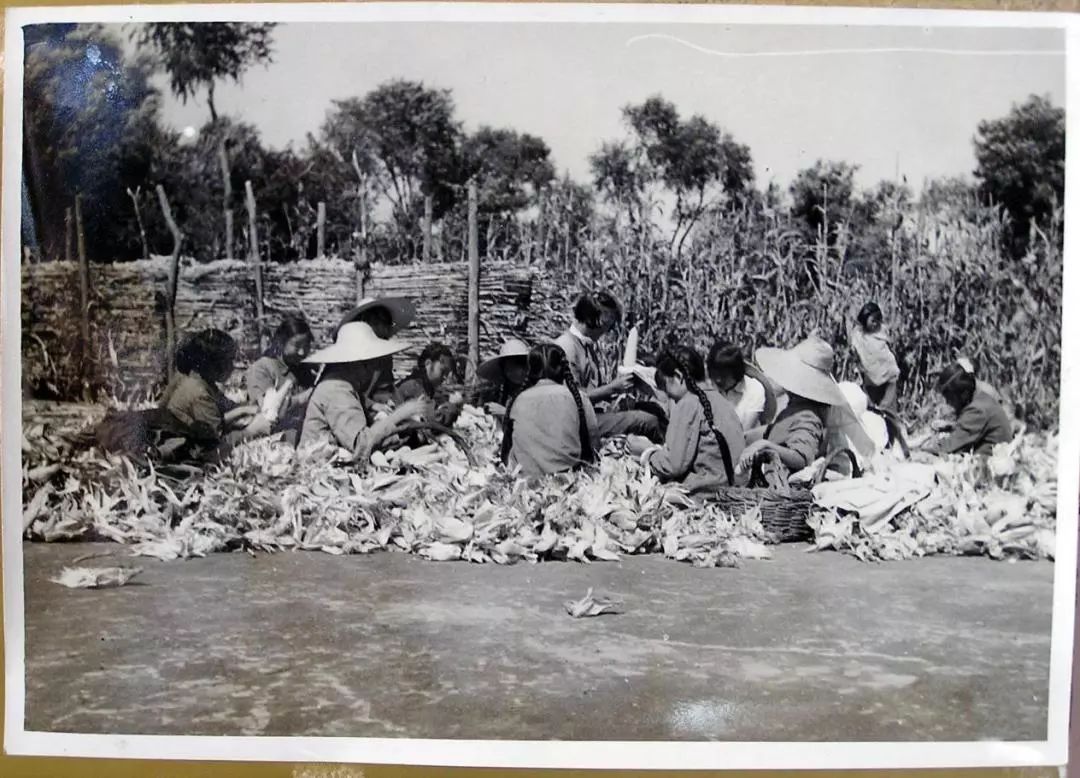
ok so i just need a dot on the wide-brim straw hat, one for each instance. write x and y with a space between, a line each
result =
805 370
401 310
356 342
491 369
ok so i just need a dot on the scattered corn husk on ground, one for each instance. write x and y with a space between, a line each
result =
95 577
589 606
1003 506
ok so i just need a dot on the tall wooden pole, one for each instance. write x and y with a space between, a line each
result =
172 282
84 289
429 217
256 264
320 231
474 288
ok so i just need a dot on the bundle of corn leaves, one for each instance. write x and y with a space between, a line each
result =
427 501
1003 506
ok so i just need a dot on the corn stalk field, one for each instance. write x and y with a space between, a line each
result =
754 276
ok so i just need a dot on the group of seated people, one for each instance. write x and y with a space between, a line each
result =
706 422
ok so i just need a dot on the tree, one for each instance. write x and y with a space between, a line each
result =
694 161
406 138
1020 162
198 54
91 127
823 197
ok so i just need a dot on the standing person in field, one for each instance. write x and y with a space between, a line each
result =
336 411
386 316
435 364
283 364
595 315
981 422
194 399
506 374
876 360
704 437
734 379
550 426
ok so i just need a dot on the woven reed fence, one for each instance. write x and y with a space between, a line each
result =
125 353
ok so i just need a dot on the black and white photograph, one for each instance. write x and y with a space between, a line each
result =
539 385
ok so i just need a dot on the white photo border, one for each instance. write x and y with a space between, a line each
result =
533 754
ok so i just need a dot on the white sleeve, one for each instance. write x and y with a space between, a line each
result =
754 396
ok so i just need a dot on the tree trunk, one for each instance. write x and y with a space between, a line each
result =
226 202
138 219
69 235
429 212
320 231
172 282
256 264
210 100
474 289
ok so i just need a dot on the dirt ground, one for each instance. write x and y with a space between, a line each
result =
813 647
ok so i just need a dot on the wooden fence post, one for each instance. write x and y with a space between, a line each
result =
256 264
138 218
172 283
84 289
320 230
69 235
474 289
429 216
363 264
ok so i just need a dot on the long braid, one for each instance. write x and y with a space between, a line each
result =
587 453
508 426
706 406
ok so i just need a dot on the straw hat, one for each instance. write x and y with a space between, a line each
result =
805 370
491 369
401 310
356 342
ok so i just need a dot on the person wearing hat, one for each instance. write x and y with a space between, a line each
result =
815 404
386 316
507 373
876 360
595 315
336 409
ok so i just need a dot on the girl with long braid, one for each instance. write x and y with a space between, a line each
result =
550 426
704 437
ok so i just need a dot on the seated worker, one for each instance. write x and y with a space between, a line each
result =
386 316
798 435
704 436
595 315
981 422
335 411
550 427
435 364
729 372
505 374
283 363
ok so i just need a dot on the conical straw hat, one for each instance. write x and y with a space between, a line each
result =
356 342
491 369
401 310
805 370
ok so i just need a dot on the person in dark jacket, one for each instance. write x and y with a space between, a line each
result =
435 364
981 422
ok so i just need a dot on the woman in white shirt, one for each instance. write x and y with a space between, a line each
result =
728 371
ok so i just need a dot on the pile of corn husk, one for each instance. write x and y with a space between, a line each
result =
427 501
1003 506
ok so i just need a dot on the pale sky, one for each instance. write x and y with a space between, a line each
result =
567 82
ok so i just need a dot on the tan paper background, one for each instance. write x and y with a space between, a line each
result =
34 767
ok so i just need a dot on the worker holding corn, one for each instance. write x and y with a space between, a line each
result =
279 382
386 316
595 315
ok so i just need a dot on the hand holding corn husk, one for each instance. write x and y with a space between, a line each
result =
274 400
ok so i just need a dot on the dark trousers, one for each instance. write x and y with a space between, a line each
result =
630 423
883 396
